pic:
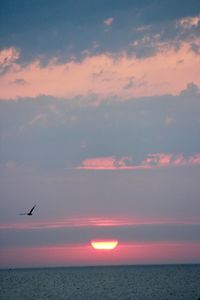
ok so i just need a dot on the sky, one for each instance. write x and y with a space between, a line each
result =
99 127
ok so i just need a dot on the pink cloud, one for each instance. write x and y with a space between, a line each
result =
189 22
180 160
8 56
108 21
102 163
195 159
103 75
153 161
95 221
72 222
157 160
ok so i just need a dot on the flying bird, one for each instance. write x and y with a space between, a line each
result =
30 212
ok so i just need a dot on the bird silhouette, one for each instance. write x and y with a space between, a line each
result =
30 212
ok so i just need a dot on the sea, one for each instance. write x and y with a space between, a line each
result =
160 282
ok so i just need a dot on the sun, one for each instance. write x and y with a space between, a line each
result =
104 245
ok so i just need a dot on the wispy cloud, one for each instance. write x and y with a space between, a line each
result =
8 56
39 118
19 81
189 22
108 21
95 222
72 222
169 120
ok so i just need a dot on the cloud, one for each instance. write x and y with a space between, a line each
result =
8 56
153 161
156 75
189 22
120 133
126 205
95 222
150 39
169 121
140 233
19 81
9 165
39 118
13 167
73 222
104 163
108 21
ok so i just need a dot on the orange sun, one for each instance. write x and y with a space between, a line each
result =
104 245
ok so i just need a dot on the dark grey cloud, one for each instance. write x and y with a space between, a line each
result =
55 133
46 29
140 233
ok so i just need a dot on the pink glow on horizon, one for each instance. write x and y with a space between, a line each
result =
153 161
102 75
132 253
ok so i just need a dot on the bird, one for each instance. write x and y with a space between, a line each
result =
30 213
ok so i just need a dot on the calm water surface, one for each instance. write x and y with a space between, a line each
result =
124 282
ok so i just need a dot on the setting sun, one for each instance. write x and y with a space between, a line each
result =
104 245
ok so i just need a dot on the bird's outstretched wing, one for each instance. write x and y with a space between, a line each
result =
30 212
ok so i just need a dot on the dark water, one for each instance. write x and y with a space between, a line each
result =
124 282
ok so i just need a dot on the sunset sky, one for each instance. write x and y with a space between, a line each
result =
100 128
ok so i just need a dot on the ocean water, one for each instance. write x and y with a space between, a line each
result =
172 282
